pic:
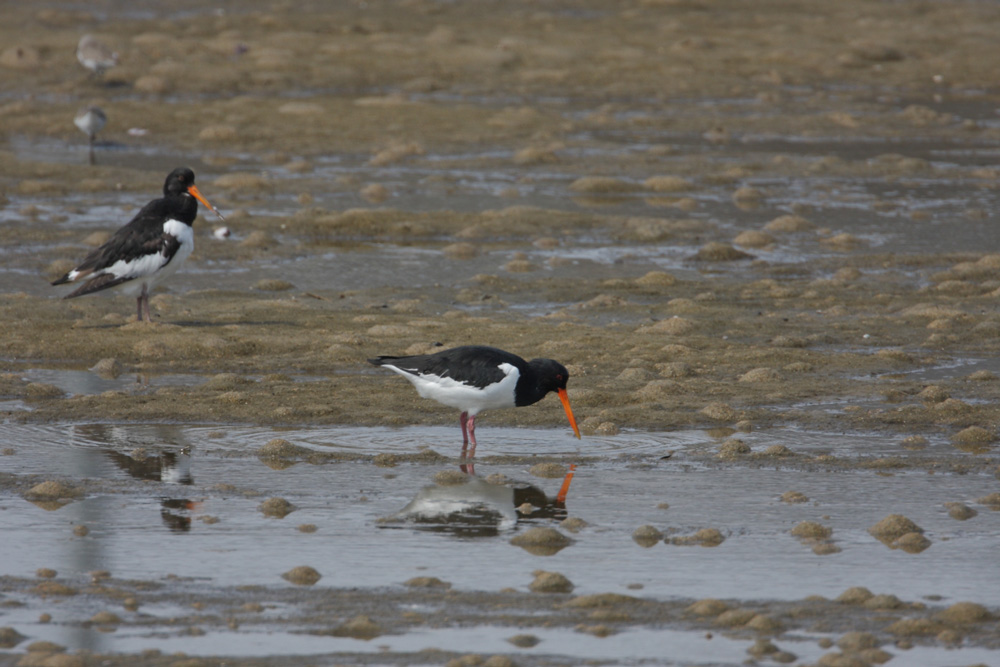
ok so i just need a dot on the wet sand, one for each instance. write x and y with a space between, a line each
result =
736 218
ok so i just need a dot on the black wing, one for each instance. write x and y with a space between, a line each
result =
475 365
143 235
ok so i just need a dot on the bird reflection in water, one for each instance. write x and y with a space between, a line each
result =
176 513
468 506
170 467
147 460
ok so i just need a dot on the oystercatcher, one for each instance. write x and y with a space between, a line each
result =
473 378
149 248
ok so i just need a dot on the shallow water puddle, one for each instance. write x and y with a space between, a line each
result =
75 383
179 508
659 647
643 646
188 503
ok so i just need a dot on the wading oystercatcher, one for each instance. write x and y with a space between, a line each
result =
473 378
149 248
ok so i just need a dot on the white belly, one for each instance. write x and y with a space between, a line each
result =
153 269
452 393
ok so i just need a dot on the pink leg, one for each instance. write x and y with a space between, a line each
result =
143 304
472 436
463 420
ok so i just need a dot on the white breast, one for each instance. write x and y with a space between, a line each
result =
152 269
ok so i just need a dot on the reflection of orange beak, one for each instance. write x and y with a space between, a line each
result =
564 490
193 191
569 412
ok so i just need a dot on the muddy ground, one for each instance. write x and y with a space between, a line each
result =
718 215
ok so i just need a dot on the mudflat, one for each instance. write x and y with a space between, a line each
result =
730 221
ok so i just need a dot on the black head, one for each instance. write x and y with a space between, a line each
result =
178 181
550 374
181 182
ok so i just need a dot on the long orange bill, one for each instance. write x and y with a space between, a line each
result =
197 195
569 412
564 490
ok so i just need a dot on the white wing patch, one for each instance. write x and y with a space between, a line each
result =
151 269
449 391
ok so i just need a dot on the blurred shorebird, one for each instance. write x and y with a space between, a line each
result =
95 55
90 120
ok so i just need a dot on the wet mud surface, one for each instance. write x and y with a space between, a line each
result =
760 237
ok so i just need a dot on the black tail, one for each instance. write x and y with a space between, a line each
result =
382 359
96 284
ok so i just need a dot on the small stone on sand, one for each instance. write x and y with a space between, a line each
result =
647 536
707 607
359 627
548 470
450 477
960 511
427 582
524 640
912 543
9 637
812 531
855 595
279 448
105 618
973 435
714 251
107 368
788 223
303 575
550 582
541 541
706 537
573 524
892 528
733 449
602 185
278 508
964 613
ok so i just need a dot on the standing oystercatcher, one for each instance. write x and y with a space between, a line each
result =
473 378
149 248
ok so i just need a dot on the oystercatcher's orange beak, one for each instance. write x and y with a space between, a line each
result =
569 412
193 191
